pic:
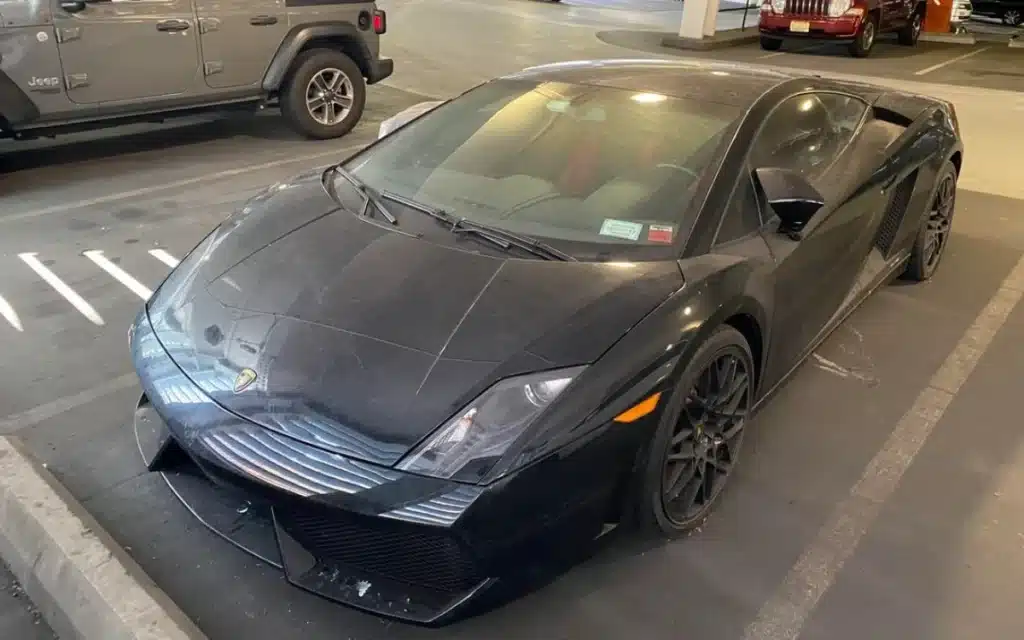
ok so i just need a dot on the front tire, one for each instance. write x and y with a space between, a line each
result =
865 38
770 44
932 237
697 444
324 95
909 34
1012 17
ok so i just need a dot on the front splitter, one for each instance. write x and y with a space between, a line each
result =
265 530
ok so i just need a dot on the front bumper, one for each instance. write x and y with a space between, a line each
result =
368 536
380 69
843 29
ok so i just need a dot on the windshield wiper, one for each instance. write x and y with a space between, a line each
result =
370 196
500 237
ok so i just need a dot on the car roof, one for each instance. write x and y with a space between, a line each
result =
721 83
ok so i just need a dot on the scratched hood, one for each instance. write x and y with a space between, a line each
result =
364 339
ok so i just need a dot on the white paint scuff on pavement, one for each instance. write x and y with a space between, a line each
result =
61 287
825 364
783 616
119 274
10 315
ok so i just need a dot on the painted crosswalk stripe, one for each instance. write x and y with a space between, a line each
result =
61 287
164 257
9 314
119 274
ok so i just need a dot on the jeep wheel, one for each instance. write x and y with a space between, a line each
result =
865 39
909 34
324 95
770 44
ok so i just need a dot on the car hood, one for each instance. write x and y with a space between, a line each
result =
363 339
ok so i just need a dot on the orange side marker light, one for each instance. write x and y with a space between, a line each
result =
639 410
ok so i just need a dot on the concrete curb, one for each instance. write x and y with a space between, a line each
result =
84 583
721 40
949 38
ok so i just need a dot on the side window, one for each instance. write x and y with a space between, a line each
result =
806 133
742 216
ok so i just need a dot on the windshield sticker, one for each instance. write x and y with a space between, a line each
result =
661 233
621 229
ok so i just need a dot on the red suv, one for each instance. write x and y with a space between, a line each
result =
856 22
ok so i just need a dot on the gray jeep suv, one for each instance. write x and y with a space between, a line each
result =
70 65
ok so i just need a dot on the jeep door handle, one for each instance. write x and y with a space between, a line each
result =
173 25
262 21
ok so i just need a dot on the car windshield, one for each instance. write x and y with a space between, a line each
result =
585 165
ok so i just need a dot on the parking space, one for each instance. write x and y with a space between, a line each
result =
90 224
985 65
810 447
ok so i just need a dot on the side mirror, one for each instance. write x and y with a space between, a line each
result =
406 116
72 6
791 197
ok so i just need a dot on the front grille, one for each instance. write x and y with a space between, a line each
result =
415 555
807 7
895 211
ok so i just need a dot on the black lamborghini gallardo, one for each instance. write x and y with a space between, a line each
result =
543 308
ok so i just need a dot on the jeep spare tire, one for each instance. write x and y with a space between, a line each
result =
324 94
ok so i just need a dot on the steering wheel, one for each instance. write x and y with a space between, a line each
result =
668 165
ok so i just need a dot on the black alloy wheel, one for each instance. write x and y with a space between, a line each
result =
933 236
940 219
698 443
706 442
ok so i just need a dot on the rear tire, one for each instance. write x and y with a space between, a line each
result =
770 44
909 34
300 95
1012 17
681 429
936 225
864 41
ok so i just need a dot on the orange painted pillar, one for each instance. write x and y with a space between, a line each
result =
937 15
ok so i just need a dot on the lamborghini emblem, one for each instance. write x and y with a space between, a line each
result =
245 378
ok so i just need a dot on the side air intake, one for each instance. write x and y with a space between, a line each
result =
895 211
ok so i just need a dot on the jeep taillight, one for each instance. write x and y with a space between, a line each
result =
380 22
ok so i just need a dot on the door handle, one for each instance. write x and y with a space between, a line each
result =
72 6
262 21
173 25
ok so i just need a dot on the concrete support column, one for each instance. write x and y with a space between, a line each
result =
710 17
695 19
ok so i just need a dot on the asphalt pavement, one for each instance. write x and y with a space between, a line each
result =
828 531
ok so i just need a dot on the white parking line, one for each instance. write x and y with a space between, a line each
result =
10 315
61 287
119 274
782 53
936 67
784 615
164 257
206 177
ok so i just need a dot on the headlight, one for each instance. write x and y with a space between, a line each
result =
779 6
837 8
475 439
